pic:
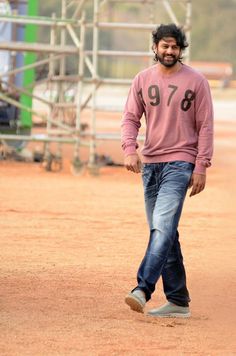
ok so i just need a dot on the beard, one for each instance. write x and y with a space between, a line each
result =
168 61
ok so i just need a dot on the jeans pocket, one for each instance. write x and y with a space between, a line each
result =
148 176
181 165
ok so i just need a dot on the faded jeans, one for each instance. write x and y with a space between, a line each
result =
165 187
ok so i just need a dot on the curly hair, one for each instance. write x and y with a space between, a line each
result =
170 30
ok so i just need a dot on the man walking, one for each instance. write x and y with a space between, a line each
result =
177 105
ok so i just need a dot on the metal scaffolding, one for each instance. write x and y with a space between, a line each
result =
78 33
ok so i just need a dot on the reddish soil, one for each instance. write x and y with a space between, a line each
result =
70 249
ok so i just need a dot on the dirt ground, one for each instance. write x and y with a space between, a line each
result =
70 249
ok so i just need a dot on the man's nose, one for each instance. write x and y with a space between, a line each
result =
169 50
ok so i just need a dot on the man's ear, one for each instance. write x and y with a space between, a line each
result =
154 48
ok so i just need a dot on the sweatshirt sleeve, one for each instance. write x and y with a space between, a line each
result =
204 126
131 124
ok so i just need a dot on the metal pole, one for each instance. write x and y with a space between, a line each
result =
123 25
36 20
92 155
42 138
37 48
79 90
13 102
13 53
51 72
188 29
78 9
77 43
28 93
30 66
170 12
29 58
61 96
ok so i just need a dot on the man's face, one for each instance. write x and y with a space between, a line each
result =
167 51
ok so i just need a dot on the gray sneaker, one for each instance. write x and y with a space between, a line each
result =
136 300
170 310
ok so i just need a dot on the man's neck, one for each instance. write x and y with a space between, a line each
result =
169 70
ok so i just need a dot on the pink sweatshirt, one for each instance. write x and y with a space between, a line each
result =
178 113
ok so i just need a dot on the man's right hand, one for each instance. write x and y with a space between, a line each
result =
132 163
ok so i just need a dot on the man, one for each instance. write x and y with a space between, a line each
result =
177 105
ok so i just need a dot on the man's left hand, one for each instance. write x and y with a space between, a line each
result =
197 182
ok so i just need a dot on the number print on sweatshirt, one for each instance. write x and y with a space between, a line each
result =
155 96
189 96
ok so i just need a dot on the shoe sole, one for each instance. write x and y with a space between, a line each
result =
172 315
134 303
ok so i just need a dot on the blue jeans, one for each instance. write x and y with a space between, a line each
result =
165 187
